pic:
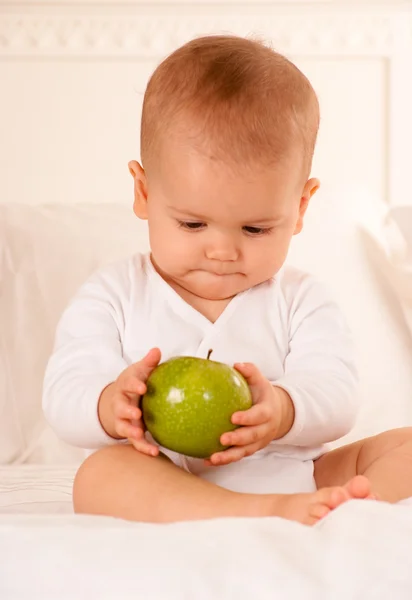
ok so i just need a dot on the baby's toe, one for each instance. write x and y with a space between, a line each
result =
332 497
359 487
318 511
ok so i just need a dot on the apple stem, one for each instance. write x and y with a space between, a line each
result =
209 353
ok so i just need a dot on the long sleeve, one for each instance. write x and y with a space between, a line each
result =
319 371
87 357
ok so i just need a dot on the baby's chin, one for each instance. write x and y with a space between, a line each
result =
223 288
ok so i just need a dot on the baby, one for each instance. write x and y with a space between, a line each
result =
227 138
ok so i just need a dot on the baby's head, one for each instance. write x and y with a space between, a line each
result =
227 138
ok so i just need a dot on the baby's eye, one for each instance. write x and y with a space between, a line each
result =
192 225
256 230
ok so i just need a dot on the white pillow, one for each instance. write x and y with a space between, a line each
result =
332 248
46 252
390 249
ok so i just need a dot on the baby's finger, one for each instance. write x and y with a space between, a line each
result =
227 456
251 373
257 415
142 445
126 429
133 385
233 454
125 409
144 367
245 435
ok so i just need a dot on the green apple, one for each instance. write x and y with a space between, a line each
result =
189 404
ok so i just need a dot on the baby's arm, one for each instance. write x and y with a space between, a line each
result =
320 374
315 401
87 357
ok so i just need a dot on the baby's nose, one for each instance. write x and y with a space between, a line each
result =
222 251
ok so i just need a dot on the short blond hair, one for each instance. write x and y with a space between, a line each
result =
236 98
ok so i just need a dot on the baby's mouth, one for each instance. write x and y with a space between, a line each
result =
221 274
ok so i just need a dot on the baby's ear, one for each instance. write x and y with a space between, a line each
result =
310 188
140 189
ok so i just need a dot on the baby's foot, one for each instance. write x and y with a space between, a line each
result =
310 508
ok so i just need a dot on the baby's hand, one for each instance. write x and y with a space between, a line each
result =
123 403
270 418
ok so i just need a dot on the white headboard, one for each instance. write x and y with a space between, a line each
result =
72 76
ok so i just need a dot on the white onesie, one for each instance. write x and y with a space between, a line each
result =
287 326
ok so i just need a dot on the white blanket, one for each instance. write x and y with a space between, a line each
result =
362 550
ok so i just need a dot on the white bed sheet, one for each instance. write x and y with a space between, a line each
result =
36 489
362 550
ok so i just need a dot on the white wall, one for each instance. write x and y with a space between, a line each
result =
73 74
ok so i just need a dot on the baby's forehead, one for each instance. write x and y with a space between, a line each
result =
179 155
209 190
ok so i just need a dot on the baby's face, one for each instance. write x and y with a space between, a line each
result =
215 232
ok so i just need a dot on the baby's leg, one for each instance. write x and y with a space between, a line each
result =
385 459
121 482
